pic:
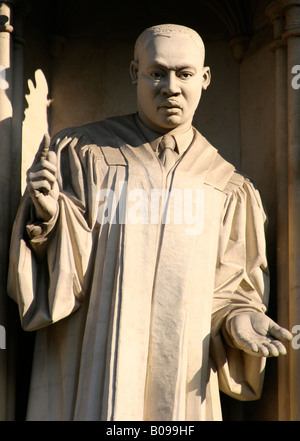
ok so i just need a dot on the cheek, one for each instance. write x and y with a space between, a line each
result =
193 95
145 85
146 94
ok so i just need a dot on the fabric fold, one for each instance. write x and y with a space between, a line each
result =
130 314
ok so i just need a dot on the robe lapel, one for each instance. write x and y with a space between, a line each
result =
202 162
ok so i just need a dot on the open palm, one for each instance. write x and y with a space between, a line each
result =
257 334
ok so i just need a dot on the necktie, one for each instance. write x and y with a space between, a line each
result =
167 154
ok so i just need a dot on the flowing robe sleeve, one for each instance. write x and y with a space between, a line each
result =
50 262
241 284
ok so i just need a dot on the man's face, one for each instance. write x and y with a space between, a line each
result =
170 77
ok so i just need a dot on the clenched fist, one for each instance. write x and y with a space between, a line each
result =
41 182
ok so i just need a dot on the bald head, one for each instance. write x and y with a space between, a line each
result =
168 70
169 31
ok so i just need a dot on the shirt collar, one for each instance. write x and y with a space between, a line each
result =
183 139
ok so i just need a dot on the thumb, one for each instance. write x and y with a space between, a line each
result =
278 332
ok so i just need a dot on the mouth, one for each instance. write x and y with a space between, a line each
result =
170 107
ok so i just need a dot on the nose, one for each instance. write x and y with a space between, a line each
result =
171 84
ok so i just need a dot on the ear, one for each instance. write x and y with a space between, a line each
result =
133 70
206 78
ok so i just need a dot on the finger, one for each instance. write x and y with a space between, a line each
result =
45 164
45 146
50 163
280 333
52 159
40 170
280 347
272 349
41 175
250 347
43 149
253 350
43 187
247 345
254 347
263 350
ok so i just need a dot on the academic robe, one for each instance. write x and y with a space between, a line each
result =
130 305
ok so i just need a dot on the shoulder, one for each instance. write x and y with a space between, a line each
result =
242 191
85 132
99 133
221 173
240 181
237 180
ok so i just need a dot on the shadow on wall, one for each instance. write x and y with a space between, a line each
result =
35 123
15 357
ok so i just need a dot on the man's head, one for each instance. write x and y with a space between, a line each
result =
168 69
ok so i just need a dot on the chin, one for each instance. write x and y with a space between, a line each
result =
171 122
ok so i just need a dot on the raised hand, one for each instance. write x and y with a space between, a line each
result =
41 182
257 334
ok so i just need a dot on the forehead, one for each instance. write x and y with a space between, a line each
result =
168 51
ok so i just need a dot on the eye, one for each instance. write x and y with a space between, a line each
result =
157 75
185 75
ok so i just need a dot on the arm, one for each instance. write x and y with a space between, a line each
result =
51 244
240 327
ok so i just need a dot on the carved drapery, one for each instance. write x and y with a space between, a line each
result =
238 18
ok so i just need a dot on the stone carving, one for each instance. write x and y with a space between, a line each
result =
147 283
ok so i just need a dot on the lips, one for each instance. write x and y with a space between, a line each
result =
170 105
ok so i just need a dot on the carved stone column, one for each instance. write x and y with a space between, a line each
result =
275 13
20 10
11 115
285 15
6 113
291 9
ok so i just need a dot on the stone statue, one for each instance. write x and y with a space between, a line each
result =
138 255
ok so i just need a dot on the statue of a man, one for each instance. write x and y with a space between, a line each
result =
138 255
